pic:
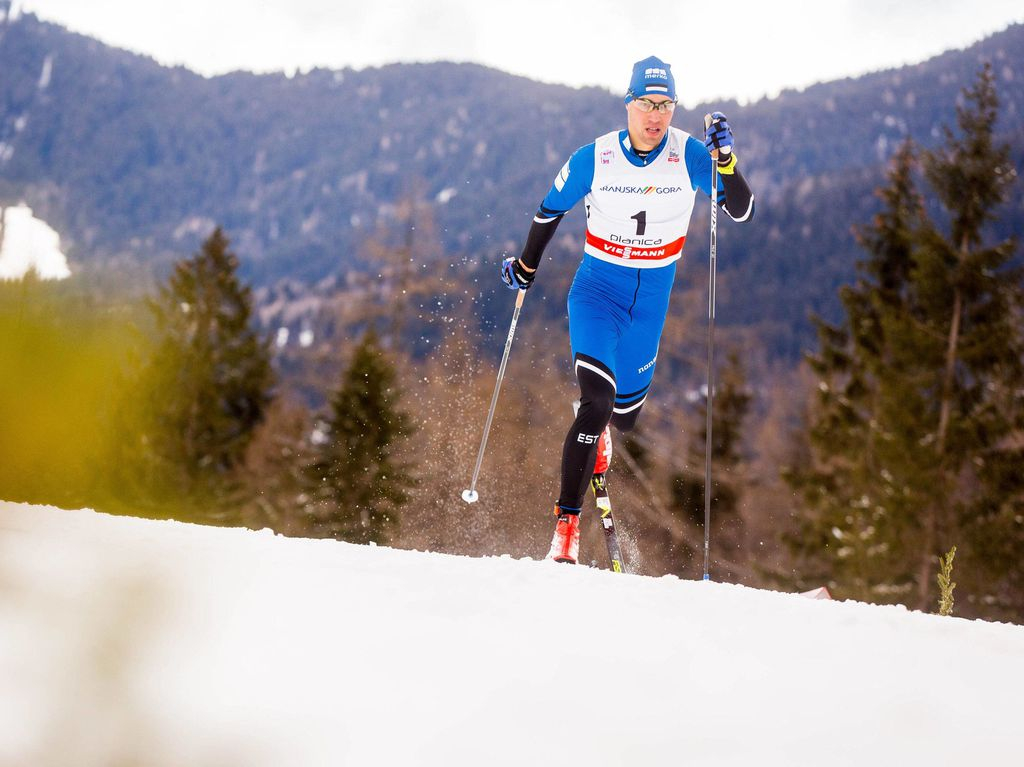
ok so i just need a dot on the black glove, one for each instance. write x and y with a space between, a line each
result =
515 276
718 135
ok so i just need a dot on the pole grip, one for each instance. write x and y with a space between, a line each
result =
707 124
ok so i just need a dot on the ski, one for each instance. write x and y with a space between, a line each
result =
599 485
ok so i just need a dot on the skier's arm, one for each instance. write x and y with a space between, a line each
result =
736 192
733 192
545 222
571 185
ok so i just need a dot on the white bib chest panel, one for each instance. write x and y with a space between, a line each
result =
638 216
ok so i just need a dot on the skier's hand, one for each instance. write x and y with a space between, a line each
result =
718 135
515 276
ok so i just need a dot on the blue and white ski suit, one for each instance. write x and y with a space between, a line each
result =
638 212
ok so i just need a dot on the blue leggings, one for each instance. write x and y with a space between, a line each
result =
616 315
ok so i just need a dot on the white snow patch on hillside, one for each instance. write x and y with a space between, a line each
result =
124 640
46 74
13 13
29 243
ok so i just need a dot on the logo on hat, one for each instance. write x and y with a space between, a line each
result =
652 75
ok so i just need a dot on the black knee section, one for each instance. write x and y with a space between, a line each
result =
626 421
597 401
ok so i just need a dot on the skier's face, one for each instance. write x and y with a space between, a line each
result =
647 129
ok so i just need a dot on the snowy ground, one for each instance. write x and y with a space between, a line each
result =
125 641
27 242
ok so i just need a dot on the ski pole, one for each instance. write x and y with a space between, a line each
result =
470 495
711 353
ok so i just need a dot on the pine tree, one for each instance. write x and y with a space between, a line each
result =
918 407
356 484
209 381
969 292
730 407
852 535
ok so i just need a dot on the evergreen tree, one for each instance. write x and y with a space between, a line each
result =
209 381
918 405
852 536
970 293
730 407
356 484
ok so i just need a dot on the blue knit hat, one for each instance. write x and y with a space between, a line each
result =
652 76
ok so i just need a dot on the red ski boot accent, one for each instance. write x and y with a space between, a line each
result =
565 545
604 451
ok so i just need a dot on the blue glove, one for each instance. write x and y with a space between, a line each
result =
718 135
514 276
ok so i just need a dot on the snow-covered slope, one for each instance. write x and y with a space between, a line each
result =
28 243
131 641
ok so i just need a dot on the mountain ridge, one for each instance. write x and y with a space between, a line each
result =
134 161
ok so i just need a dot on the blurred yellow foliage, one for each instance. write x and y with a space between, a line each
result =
62 373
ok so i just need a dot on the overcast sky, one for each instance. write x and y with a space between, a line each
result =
742 49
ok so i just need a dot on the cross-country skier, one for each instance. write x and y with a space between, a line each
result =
639 185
